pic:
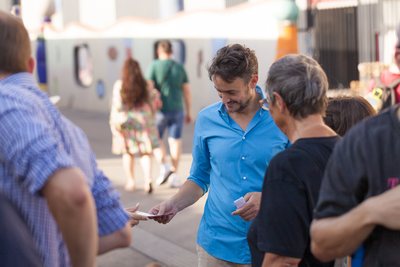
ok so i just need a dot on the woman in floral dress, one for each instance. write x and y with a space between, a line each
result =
132 122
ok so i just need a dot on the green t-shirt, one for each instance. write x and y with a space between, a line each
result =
171 89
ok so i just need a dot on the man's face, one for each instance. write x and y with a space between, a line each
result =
236 95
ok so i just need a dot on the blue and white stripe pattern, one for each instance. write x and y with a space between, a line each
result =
35 141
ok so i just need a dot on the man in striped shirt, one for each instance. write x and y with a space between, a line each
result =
47 169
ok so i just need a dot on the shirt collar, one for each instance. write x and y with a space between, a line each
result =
21 78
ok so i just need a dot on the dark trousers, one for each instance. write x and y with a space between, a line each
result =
17 247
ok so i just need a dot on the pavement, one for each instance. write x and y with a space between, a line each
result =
173 244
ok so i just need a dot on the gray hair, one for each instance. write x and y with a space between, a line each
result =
301 83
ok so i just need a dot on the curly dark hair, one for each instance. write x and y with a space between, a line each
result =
134 87
234 61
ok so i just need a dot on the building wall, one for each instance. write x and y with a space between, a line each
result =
377 24
5 5
98 14
137 8
193 5
231 3
67 11
389 15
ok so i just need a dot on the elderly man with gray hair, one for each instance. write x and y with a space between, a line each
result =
296 95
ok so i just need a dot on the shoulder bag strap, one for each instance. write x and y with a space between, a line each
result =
166 75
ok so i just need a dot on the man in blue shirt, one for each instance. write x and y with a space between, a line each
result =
47 169
234 141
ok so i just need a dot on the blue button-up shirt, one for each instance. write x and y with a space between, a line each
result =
228 163
35 142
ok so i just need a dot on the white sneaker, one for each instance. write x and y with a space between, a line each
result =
165 173
175 181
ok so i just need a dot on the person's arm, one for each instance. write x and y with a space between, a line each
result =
117 239
151 77
113 220
151 85
187 195
340 236
274 260
196 184
117 115
187 97
71 204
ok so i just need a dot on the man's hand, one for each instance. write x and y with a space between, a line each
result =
165 211
250 210
187 97
188 194
133 217
188 118
275 260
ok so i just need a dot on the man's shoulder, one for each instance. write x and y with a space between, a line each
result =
179 66
209 113
298 153
283 158
373 126
14 96
365 137
154 64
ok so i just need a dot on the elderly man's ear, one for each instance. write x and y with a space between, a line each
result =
279 103
31 65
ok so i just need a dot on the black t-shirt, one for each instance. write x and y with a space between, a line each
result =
17 247
290 192
365 163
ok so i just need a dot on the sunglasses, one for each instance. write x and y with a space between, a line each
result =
264 104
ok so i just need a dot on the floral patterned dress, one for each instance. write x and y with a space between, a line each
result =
134 130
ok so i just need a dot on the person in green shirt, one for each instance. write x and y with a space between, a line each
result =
170 78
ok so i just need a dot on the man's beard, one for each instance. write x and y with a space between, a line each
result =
242 105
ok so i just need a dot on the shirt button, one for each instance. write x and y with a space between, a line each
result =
243 158
244 137
244 178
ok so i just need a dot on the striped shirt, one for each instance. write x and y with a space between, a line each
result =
36 140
